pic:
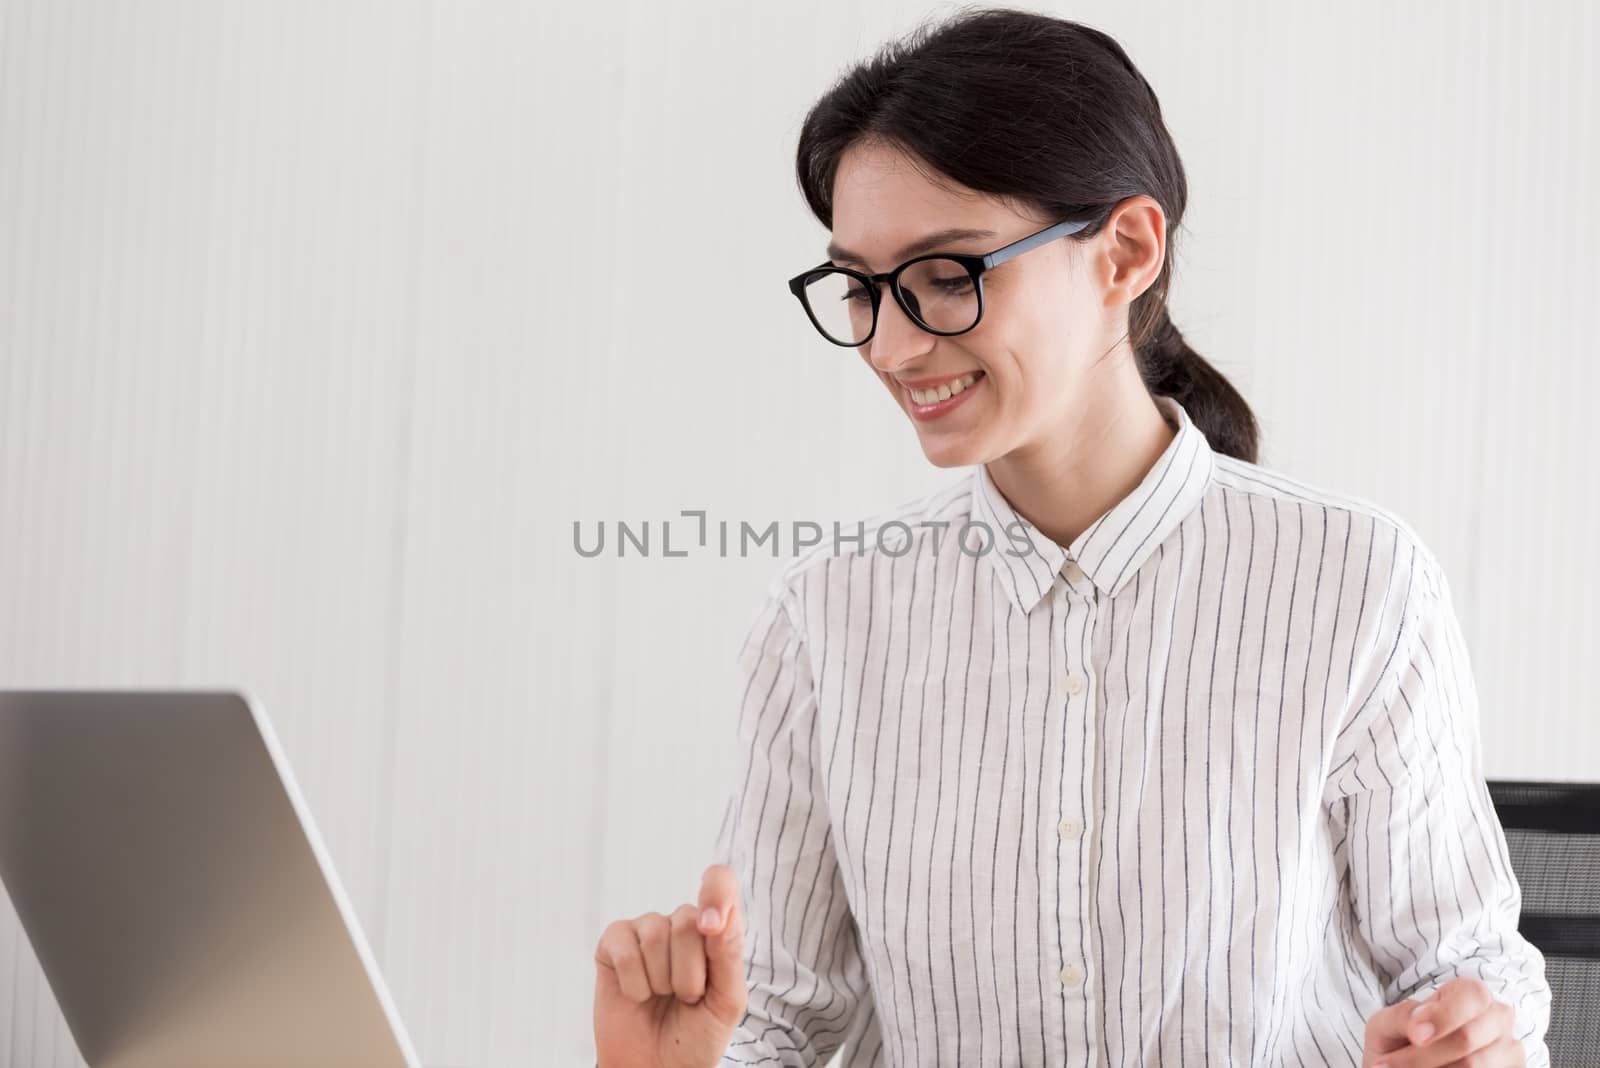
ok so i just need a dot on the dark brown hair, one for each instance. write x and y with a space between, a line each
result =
1046 113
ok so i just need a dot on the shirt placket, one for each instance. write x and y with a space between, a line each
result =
1073 696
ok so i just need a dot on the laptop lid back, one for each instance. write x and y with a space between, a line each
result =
174 888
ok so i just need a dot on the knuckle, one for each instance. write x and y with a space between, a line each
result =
653 929
686 917
617 943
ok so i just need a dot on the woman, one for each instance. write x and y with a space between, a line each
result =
1123 750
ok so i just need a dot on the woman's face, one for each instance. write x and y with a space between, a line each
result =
1048 315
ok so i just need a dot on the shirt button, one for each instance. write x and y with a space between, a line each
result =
1072 571
1069 828
1071 975
1074 683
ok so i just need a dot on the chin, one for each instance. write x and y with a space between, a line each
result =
951 454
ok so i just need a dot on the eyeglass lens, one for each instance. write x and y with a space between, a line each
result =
940 293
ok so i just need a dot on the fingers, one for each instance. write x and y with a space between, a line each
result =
1457 1002
1506 1052
696 954
619 950
1473 1039
726 990
651 960
1461 1020
688 955
1386 1029
719 894
655 940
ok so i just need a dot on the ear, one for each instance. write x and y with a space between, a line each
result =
1133 246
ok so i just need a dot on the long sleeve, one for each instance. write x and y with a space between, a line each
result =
808 987
1430 879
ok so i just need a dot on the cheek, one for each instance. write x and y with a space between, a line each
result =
1006 357
1014 325
1026 380
1033 346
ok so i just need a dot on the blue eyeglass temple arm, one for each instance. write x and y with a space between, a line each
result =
1033 241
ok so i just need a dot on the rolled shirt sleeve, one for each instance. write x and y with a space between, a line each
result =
809 993
1430 879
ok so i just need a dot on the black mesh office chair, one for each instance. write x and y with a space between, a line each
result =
1553 835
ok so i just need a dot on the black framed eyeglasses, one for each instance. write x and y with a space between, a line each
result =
942 292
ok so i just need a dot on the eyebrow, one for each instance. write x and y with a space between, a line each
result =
916 248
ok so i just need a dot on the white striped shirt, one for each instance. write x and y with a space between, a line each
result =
1203 787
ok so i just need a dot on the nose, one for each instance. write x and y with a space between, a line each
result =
897 340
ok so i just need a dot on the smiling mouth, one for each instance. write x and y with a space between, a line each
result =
925 397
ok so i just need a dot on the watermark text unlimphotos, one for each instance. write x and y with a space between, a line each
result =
693 534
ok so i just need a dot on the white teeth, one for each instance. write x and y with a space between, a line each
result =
944 392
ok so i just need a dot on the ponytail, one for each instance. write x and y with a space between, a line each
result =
1171 368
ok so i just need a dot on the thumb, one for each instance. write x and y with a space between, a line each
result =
722 924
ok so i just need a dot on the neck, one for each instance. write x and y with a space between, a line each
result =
1107 442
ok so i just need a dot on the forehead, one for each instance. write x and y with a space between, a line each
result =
884 202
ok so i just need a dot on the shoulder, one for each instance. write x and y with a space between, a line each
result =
1355 525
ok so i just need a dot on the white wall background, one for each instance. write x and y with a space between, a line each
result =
321 322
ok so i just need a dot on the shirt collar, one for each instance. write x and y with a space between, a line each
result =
1114 546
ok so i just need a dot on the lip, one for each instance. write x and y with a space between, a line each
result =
935 383
925 412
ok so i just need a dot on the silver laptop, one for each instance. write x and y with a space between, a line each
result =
182 906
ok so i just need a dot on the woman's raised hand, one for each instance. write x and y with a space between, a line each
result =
669 990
